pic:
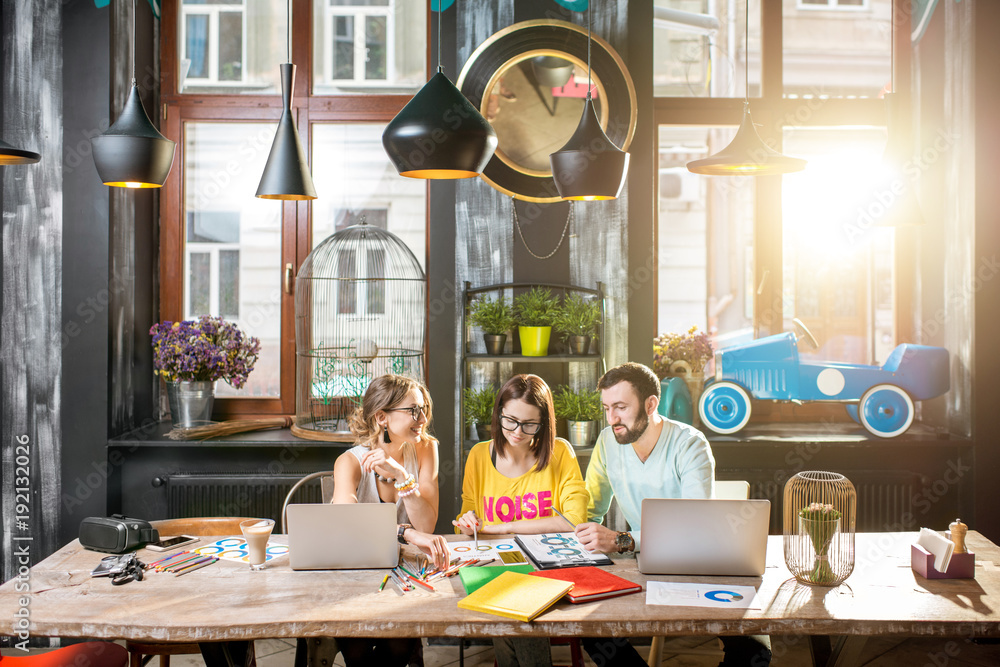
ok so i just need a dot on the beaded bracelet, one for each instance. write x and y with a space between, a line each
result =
403 491
409 481
409 492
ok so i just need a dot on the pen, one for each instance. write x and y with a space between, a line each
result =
564 518
484 562
408 573
195 567
475 537
382 585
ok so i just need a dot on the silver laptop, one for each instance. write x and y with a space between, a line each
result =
704 537
335 537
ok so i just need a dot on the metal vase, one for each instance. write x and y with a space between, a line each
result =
495 343
579 344
191 402
581 434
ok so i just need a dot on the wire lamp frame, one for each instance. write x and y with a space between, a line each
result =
820 509
360 312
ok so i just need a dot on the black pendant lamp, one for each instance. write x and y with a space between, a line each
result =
11 155
746 154
286 174
439 134
132 153
589 166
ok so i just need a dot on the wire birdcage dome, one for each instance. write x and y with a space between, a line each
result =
820 510
360 312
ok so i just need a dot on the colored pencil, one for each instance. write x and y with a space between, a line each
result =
169 567
166 558
193 564
408 573
196 567
564 517
425 585
382 585
483 562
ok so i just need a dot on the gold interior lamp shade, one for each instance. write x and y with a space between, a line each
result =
439 134
11 155
132 153
746 155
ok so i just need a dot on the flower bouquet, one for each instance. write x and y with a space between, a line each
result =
204 350
820 522
694 348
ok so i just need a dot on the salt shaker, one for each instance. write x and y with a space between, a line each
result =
958 531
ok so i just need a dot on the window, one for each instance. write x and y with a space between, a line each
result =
225 252
739 256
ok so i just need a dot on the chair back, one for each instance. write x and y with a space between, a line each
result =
200 526
732 489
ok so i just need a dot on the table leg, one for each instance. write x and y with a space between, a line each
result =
842 651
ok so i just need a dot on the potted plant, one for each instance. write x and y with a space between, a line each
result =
495 318
193 354
683 356
577 318
535 313
477 408
581 410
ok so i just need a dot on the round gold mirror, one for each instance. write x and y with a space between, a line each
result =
530 81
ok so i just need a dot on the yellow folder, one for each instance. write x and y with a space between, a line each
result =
516 595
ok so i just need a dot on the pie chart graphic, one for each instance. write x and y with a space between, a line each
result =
723 596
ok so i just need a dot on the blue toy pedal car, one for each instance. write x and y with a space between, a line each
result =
880 398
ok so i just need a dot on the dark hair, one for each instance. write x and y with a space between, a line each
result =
643 380
385 391
532 390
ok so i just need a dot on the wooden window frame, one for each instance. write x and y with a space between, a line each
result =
180 108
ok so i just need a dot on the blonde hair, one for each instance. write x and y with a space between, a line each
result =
384 392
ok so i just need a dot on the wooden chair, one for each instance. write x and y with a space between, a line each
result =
140 653
92 654
728 490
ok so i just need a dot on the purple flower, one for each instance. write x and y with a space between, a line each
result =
208 349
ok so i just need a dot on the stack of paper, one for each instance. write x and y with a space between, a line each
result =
516 595
591 583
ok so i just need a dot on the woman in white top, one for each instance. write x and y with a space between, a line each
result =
395 461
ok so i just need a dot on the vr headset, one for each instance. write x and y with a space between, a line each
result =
116 534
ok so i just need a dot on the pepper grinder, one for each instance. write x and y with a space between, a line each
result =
958 531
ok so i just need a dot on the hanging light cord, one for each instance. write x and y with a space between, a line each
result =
288 29
590 21
517 225
746 55
133 42
440 69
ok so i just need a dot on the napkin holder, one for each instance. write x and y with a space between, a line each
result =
961 566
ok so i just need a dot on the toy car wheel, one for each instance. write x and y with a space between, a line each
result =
724 407
886 411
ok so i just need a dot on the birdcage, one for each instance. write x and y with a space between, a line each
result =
360 312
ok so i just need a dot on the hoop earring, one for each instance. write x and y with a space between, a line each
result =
385 436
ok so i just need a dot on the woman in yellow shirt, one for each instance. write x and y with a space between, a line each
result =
514 481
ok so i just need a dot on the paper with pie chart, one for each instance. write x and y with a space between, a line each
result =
716 596
505 551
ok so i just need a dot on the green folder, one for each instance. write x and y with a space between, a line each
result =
474 577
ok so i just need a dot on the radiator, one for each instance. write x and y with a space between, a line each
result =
190 495
884 497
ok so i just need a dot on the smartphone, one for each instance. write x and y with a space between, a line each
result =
169 543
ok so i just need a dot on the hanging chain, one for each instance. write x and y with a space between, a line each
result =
517 225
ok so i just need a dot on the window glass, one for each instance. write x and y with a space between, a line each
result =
699 48
366 186
231 46
232 246
369 46
837 48
838 266
705 240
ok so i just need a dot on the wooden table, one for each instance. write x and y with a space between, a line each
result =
226 601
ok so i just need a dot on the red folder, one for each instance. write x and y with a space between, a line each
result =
590 583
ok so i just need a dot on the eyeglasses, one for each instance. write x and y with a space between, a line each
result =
527 428
415 411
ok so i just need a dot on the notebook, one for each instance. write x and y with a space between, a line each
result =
474 577
591 583
551 550
322 536
704 536
516 595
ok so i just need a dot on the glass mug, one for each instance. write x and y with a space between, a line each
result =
256 532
